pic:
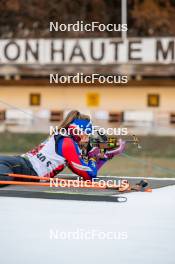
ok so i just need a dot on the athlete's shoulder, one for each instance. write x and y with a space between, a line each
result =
67 146
69 142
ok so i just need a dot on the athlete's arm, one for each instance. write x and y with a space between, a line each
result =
68 149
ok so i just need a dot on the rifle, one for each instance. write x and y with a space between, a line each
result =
104 143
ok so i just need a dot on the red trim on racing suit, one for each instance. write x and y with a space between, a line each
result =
69 149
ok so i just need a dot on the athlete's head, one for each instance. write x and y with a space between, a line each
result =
78 125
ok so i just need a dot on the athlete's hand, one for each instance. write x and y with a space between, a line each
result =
94 153
114 152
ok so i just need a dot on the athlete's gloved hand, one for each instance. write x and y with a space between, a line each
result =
109 154
94 153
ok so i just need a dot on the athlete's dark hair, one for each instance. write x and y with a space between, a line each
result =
74 114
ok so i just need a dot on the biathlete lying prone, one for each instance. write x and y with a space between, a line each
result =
59 151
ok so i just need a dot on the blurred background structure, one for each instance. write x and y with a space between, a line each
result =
145 103
29 19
